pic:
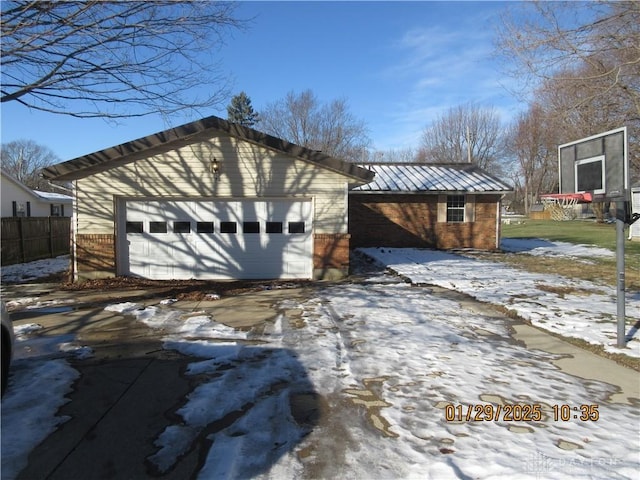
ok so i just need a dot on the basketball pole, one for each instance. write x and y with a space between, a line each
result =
620 267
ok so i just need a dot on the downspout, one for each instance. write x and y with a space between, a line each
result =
74 230
499 221
74 217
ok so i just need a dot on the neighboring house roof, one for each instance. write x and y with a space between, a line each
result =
46 197
431 178
53 197
189 133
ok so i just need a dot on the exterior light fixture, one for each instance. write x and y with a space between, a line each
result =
214 166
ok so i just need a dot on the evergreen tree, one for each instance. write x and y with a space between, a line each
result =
241 111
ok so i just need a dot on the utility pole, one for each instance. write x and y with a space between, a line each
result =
468 145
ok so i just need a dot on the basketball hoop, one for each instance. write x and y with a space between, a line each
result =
561 206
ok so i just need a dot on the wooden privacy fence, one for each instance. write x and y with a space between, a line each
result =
25 239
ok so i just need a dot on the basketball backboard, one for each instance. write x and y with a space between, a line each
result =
596 165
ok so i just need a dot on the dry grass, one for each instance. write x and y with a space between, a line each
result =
193 290
595 270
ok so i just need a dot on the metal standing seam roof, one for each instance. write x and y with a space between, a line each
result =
431 178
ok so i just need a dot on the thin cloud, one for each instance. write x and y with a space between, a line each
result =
442 66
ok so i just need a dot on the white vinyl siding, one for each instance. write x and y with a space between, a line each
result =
246 171
12 191
634 229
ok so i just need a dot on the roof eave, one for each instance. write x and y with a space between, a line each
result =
433 192
172 138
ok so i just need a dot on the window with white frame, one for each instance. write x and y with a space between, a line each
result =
455 208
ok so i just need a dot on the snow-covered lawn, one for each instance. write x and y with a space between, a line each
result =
542 247
391 361
26 272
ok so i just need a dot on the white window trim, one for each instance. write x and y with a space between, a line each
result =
469 209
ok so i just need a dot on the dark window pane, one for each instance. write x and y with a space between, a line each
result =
204 227
158 227
134 227
454 201
274 227
228 227
455 216
181 227
251 227
296 227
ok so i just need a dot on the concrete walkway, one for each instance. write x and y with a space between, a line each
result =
584 364
575 360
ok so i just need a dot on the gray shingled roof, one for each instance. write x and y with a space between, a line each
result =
432 178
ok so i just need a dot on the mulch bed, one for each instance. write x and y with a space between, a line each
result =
194 290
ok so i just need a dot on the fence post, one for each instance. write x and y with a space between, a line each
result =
50 237
22 245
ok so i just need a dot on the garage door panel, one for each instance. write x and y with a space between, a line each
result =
295 269
182 256
147 263
219 239
211 261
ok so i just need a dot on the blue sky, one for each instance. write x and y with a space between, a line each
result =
398 65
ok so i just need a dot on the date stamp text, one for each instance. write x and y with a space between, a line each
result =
519 412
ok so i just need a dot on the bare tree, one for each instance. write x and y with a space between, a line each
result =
466 133
396 155
592 50
23 160
111 58
532 142
303 120
570 107
580 65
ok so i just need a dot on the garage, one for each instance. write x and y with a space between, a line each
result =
214 239
212 200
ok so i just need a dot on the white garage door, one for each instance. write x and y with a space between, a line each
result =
218 239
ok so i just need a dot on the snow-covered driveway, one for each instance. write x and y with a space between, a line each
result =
398 355
413 383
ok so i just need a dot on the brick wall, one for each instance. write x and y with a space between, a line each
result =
96 255
412 221
392 220
330 255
